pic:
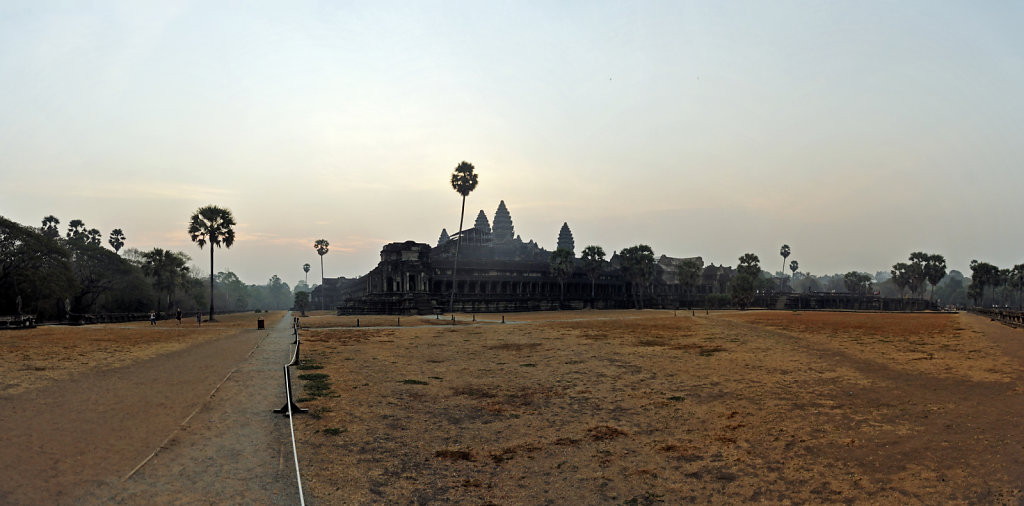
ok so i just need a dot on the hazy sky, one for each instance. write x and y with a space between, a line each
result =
856 132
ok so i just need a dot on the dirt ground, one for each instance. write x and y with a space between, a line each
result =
98 401
646 407
45 355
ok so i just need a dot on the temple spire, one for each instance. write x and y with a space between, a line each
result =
503 230
481 222
565 239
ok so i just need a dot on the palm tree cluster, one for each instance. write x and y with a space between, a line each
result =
921 268
984 274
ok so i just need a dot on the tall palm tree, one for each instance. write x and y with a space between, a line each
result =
321 249
212 224
784 251
116 239
464 181
794 266
305 268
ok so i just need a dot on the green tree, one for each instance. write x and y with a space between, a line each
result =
593 260
301 301
321 246
901 276
214 225
561 264
934 271
305 268
169 271
1017 281
743 283
784 253
49 228
464 181
982 274
637 264
857 282
36 267
794 266
116 240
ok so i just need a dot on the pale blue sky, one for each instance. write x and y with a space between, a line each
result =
856 132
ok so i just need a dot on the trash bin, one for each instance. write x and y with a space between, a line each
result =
259 324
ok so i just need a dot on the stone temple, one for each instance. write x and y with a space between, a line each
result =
497 272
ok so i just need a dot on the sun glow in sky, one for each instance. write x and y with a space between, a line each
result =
855 132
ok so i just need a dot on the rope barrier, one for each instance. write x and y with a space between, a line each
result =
290 408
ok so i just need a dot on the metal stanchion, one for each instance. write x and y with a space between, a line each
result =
289 403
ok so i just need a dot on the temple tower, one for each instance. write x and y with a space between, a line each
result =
444 237
503 230
481 223
565 239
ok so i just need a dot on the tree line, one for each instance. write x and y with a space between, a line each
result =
52 275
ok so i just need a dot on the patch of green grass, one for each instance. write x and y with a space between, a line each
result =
527 365
308 366
414 382
303 399
316 384
677 398
574 362
334 431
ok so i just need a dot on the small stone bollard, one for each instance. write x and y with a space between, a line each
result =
502 318
357 322
399 321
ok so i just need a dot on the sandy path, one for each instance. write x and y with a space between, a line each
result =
73 442
234 450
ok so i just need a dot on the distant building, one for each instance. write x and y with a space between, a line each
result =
497 271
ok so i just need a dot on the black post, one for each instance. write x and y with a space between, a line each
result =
288 393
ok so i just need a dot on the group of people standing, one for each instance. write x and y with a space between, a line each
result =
177 316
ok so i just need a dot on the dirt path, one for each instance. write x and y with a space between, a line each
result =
73 442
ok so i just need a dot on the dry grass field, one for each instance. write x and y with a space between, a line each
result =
45 355
645 407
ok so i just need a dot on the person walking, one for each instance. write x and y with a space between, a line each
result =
178 316
152 317
199 318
